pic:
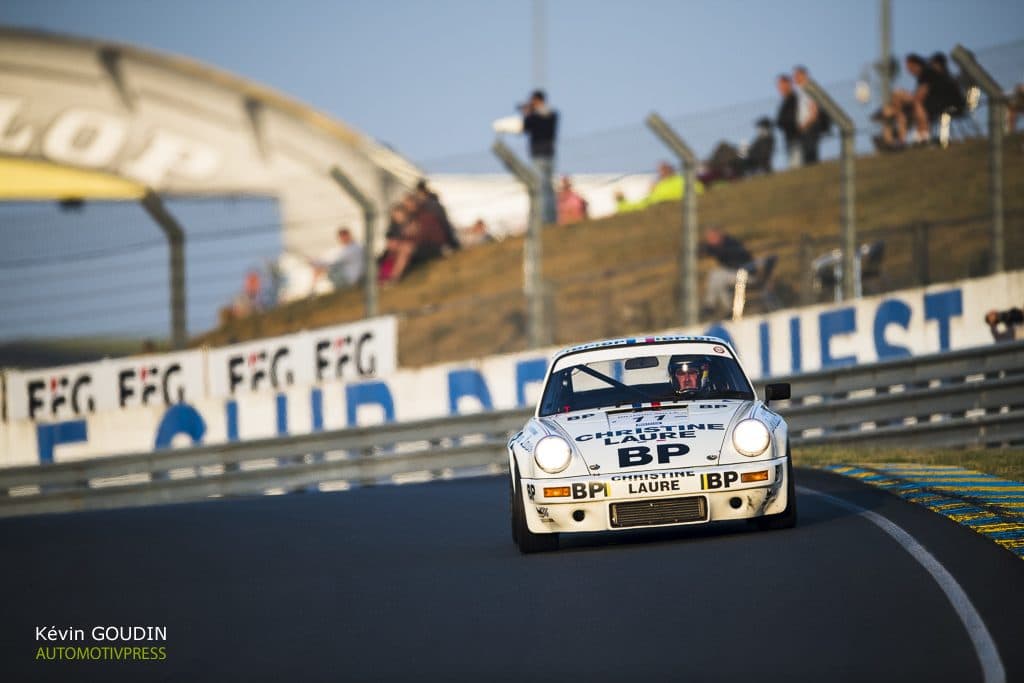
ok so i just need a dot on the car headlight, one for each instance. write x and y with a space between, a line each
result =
552 454
751 437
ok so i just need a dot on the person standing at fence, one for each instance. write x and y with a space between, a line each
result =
540 122
785 121
808 118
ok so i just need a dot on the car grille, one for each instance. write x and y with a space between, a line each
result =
653 512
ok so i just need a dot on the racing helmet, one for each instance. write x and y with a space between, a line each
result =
688 374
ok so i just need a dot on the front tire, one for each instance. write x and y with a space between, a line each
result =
788 517
527 541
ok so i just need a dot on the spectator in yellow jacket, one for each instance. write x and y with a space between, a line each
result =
669 186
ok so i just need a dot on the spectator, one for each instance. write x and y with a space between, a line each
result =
345 264
431 203
1005 325
252 289
725 163
668 186
1014 107
541 123
397 248
731 255
934 93
950 95
572 208
785 121
758 158
476 234
417 237
276 282
808 118
893 116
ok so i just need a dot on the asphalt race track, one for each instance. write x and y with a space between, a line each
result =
422 582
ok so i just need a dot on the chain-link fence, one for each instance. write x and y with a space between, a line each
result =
101 268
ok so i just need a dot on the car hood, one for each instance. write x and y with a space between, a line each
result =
635 440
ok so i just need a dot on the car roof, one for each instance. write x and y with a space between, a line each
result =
638 342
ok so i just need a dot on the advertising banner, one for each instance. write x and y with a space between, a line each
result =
79 390
323 382
346 352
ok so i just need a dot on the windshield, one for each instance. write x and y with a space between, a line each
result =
644 379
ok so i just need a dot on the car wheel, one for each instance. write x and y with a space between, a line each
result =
527 541
787 518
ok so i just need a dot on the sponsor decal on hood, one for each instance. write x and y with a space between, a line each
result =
649 438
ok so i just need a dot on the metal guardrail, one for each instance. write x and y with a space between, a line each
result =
973 397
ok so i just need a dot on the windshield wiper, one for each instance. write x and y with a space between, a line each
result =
645 398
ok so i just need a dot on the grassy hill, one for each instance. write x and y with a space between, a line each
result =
618 275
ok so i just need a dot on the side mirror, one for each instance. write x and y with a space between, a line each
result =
776 392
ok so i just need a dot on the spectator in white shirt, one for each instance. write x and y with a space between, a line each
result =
807 117
345 263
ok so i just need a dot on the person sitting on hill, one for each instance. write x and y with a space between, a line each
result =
669 186
419 237
431 203
731 255
398 247
758 158
893 117
951 97
344 264
476 234
935 93
727 162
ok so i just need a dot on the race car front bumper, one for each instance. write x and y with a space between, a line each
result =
672 497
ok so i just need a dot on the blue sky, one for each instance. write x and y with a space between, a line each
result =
428 77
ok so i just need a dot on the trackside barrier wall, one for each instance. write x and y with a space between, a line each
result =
252 405
971 397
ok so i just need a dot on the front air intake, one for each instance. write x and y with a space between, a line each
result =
656 512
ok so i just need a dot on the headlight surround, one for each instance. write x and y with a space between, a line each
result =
552 454
751 437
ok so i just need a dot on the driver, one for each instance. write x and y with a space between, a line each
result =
688 376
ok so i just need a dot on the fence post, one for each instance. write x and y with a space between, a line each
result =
533 286
688 244
848 187
996 116
154 206
370 294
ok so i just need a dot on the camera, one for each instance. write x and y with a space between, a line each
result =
1013 316
1005 325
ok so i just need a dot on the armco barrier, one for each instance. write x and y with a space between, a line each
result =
973 397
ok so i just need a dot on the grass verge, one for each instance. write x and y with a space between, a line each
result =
1005 463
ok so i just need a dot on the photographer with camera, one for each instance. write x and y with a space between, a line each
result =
541 123
1006 325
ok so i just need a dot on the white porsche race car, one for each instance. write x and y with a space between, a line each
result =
655 432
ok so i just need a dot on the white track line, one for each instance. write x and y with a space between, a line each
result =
984 646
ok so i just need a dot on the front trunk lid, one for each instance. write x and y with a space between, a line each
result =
651 437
